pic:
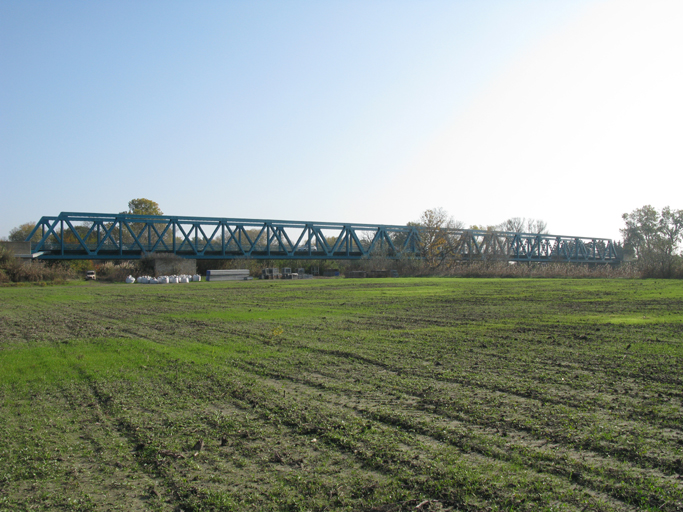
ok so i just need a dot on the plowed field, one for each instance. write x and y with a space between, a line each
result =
371 395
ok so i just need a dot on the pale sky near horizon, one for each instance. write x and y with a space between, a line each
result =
348 111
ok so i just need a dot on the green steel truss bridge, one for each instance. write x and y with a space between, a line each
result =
100 236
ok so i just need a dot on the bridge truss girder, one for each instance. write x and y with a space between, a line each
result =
123 236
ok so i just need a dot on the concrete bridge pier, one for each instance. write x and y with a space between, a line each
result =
173 265
21 250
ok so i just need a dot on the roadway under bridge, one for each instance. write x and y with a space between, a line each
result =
99 236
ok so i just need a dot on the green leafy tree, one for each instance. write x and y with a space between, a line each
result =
20 233
143 206
70 236
399 239
653 238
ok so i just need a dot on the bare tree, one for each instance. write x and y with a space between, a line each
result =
513 225
537 226
436 237
523 225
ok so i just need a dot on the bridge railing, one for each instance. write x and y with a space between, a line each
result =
124 236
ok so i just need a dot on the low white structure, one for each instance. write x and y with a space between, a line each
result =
239 274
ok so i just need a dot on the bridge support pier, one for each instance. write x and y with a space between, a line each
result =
172 265
19 249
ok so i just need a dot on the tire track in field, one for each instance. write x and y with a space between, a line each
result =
437 450
567 399
473 442
145 438
309 423
163 488
570 458
524 388
102 431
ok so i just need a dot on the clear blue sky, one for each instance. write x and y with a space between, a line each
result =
358 111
